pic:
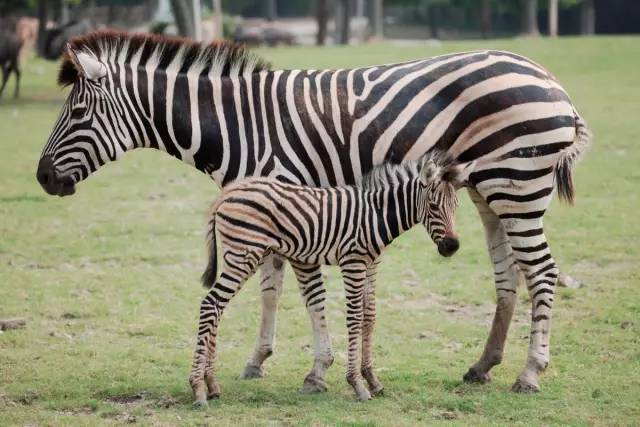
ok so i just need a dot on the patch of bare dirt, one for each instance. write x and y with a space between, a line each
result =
476 312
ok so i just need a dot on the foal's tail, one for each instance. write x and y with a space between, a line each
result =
210 273
569 157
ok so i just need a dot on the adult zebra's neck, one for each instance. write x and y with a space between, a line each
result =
197 118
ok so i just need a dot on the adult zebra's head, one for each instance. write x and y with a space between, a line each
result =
437 201
91 129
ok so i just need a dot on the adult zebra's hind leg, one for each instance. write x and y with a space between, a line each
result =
314 295
541 273
507 276
368 326
271 279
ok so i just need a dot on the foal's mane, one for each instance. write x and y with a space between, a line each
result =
388 174
219 58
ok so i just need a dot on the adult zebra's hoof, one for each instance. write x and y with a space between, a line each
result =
473 376
313 384
251 372
200 404
525 387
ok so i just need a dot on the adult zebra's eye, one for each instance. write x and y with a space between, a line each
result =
78 112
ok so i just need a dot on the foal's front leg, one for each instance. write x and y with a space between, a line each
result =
368 325
354 273
314 294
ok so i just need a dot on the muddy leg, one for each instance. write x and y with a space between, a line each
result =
368 326
314 295
271 278
506 278
202 377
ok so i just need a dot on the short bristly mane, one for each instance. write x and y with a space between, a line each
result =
218 58
387 174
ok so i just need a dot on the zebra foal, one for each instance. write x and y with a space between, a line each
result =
348 226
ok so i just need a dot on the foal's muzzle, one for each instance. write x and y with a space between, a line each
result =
448 246
51 182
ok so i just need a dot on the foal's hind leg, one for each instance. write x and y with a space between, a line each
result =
314 295
506 280
271 278
237 269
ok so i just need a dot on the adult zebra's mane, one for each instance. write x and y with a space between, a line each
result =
388 175
219 58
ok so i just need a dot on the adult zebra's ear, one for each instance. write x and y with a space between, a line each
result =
87 64
458 174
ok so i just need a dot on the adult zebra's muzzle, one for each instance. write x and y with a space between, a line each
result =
51 182
448 246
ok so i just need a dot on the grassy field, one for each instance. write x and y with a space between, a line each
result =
108 282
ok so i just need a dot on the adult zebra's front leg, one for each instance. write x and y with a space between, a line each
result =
271 283
314 295
507 277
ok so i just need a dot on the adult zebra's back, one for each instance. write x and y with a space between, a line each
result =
221 110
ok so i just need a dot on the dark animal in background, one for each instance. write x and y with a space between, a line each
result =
9 53
56 38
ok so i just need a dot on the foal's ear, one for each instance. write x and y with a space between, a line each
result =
429 170
458 174
87 64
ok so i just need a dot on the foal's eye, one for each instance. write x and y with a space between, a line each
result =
433 205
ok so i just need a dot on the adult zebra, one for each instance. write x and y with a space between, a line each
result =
221 110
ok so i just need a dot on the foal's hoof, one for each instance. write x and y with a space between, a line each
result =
363 395
200 404
313 384
473 376
251 372
525 387
377 390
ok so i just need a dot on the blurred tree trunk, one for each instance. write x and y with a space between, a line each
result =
216 7
485 18
588 18
434 16
271 11
322 15
43 16
530 18
553 18
182 12
377 19
345 21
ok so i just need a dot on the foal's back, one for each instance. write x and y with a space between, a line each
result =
308 225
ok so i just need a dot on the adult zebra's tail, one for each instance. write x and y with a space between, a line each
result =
564 168
209 276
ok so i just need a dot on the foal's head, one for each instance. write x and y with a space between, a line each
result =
437 202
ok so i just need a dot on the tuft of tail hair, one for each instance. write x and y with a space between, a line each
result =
209 276
569 157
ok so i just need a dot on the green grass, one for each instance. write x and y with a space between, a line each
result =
108 282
